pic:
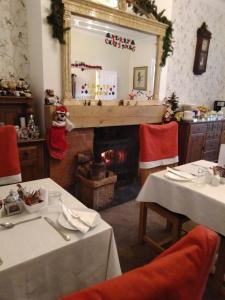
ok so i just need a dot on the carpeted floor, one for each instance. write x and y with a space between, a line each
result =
124 220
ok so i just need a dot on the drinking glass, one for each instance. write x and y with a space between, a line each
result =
54 197
202 177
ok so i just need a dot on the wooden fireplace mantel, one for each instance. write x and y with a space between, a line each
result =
84 116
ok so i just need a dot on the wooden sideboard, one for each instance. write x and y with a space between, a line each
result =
32 152
200 140
32 155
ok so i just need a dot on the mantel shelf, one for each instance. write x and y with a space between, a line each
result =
109 115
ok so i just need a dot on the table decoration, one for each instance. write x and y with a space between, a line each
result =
33 200
220 172
13 204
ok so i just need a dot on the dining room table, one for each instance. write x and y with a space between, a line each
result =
197 197
37 263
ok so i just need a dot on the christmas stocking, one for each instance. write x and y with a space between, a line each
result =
57 144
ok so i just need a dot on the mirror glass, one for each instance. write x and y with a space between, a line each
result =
110 62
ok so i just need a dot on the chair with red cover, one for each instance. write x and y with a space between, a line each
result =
179 273
9 156
158 149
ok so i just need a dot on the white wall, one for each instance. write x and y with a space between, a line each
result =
14 56
44 52
188 16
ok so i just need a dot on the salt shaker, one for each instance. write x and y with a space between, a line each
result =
215 180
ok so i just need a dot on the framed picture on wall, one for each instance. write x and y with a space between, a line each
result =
202 49
140 76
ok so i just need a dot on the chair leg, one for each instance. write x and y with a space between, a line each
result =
142 222
169 226
176 231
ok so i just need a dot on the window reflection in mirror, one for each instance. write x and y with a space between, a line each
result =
105 59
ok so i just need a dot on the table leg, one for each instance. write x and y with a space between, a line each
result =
142 221
220 269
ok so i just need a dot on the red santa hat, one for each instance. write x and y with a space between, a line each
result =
62 109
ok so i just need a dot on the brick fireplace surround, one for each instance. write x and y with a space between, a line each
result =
80 140
62 172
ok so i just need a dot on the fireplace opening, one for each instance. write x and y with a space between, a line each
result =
118 148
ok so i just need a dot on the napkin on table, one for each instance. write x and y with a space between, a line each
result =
81 220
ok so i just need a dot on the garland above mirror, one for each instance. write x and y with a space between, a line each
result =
145 7
140 7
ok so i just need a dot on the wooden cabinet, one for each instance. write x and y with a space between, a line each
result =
12 108
200 140
32 153
32 159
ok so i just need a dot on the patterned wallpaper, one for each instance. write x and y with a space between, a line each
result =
14 57
188 15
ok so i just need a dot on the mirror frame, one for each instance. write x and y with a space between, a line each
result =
100 12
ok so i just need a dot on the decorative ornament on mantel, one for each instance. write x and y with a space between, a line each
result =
55 19
147 7
172 107
57 144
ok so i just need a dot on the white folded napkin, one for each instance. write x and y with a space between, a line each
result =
81 220
181 174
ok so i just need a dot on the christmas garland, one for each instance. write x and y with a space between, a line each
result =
81 65
142 7
56 20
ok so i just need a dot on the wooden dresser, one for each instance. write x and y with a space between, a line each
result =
200 140
32 152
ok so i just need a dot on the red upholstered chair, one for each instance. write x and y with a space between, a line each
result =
158 149
9 156
179 273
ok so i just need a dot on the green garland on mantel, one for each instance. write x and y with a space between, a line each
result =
148 6
55 18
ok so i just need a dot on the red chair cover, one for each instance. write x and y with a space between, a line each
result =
158 145
9 157
179 273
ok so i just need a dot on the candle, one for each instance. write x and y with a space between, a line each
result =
22 122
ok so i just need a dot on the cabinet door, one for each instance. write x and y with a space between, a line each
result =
195 147
32 161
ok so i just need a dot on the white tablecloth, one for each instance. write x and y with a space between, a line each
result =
203 204
39 265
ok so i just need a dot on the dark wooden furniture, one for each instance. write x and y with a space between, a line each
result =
32 152
174 226
12 108
32 155
200 140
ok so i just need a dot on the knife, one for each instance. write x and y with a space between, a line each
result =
177 173
59 230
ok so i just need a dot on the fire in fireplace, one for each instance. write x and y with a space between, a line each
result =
111 157
118 147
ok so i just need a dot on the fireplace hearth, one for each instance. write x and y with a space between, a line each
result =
118 148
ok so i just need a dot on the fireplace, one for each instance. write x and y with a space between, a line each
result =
118 147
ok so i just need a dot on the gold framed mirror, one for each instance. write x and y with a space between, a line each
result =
101 13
